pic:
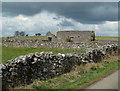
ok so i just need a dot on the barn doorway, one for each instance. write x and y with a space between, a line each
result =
49 38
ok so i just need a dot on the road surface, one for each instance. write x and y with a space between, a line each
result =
0 77
109 82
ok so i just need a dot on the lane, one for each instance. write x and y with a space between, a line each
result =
0 77
109 82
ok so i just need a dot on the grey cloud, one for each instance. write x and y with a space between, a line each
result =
65 23
60 1
87 12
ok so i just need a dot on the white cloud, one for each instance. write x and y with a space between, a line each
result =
22 18
47 21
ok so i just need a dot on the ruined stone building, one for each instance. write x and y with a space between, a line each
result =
71 36
51 37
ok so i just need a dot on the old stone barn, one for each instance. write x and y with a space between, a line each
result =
71 36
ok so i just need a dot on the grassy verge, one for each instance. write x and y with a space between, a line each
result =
106 38
25 37
12 52
91 76
78 78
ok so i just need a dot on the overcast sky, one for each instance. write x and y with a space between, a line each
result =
35 17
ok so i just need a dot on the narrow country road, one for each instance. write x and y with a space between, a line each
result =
109 82
0 77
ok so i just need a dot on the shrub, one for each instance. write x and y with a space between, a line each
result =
69 40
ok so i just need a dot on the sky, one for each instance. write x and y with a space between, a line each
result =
41 17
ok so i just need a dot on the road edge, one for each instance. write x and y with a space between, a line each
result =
98 79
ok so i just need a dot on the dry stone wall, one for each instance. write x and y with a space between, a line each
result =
45 44
44 65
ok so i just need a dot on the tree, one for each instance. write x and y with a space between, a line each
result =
22 33
16 33
26 35
69 40
37 34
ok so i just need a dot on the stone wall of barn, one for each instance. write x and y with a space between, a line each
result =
75 36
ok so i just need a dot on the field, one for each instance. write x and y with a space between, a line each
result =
12 52
106 38
26 37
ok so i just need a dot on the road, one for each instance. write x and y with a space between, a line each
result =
109 82
0 77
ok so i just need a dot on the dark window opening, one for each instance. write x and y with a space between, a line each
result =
49 38
71 37
93 38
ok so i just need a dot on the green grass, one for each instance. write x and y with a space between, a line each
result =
0 54
94 42
12 52
26 37
90 76
74 79
106 38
